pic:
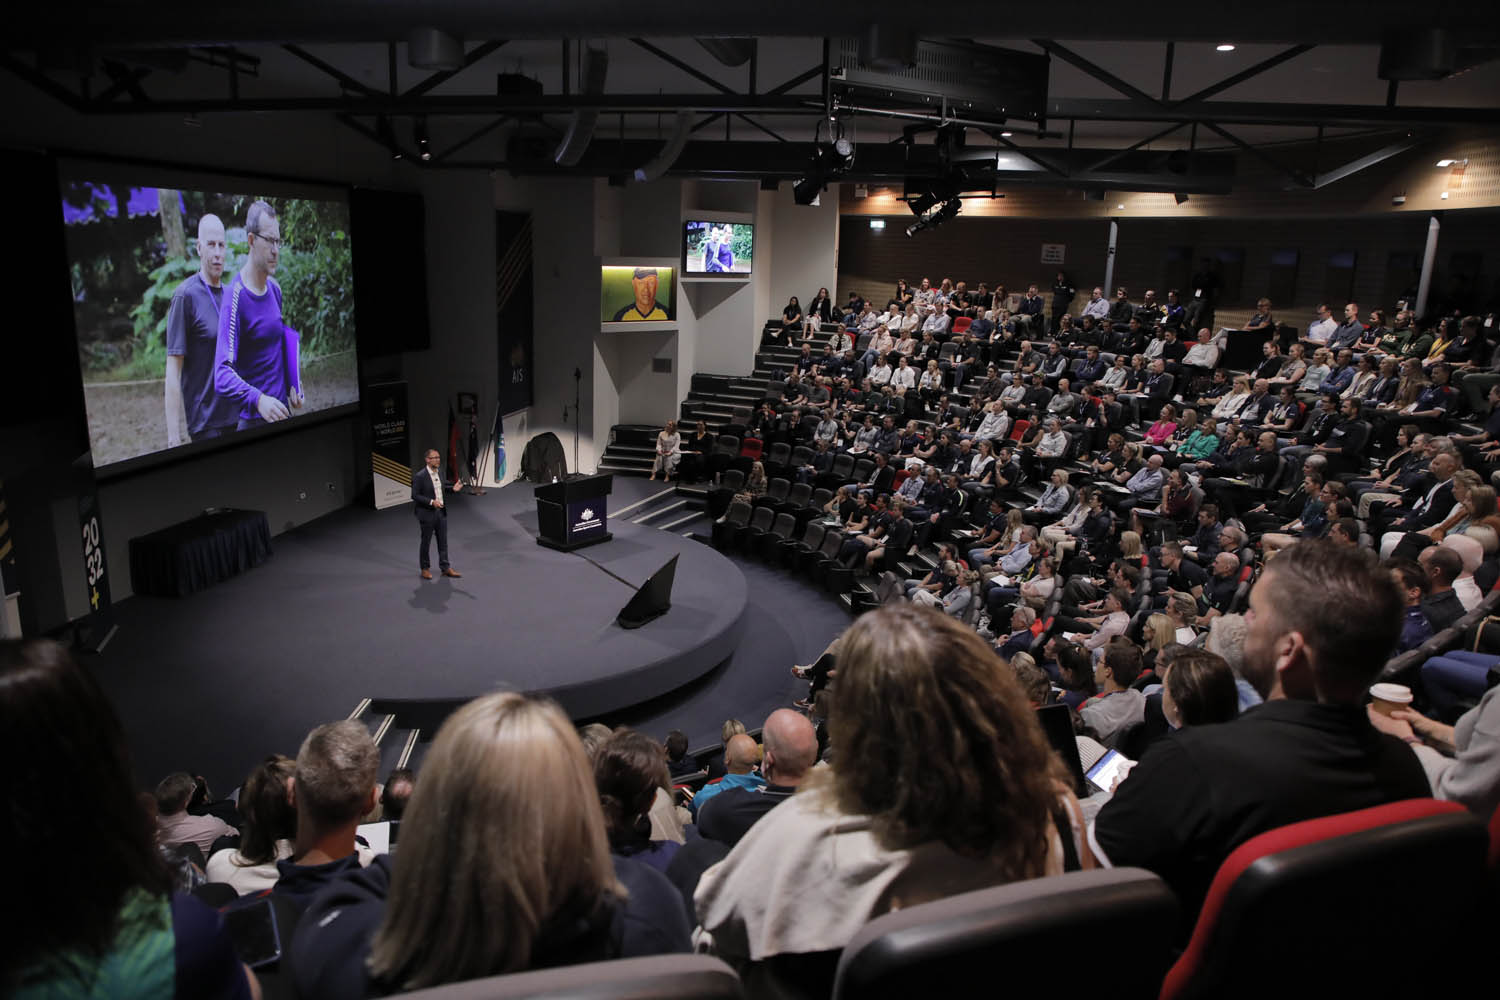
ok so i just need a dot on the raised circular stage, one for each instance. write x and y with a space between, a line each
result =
339 614
526 617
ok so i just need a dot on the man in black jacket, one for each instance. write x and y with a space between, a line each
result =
1309 751
432 514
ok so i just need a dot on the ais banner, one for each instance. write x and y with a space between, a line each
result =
390 447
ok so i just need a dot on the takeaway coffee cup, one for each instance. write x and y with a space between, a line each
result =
1388 697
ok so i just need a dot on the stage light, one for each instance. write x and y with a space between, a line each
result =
1452 163
424 142
806 190
1224 47
935 217
1006 135
877 223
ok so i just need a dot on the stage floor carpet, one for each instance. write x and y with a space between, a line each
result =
213 682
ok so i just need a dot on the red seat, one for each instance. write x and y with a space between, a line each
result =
961 324
1342 905
898 479
752 449
1019 428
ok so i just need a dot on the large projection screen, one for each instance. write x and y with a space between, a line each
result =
207 308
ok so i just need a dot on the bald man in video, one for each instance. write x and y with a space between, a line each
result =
192 335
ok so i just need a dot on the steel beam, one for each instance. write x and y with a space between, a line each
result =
1296 175
1268 113
443 76
690 70
1368 160
1245 74
348 82
1099 73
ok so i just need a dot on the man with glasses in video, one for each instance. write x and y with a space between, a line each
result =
255 365
192 337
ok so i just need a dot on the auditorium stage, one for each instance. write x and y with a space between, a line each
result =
339 614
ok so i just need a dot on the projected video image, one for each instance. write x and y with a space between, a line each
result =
201 314
637 294
718 247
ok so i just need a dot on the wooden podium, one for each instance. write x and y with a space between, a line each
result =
573 513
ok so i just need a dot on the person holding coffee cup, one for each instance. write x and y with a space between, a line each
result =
1462 761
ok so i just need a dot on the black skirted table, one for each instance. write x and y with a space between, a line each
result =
196 554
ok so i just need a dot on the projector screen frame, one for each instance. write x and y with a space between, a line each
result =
76 163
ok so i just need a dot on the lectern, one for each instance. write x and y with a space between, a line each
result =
572 513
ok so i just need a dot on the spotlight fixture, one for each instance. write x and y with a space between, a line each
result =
1180 198
1006 135
1452 163
424 142
1224 47
936 216
387 136
1120 205
807 190
877 224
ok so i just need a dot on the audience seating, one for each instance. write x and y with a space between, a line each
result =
725 531
663 976
1013 934
1378 902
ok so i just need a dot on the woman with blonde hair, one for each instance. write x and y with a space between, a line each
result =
668 452
504 866
1130 548
943 782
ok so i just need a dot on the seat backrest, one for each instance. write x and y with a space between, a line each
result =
778 488
741 415
751 448
1336 886
961 412
776 388
947 351
732 479
727 444
862 469
801 455
783 526
739 513
875 401
898 538
833 540
820 496
666 976
961 324
944 948
761 519
1018 429
810 424
780 452
863 342
842 466
799 494
812 535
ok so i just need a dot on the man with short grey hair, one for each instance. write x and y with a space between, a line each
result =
791 750
175 825
332 788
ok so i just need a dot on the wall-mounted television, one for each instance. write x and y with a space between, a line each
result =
637 293
717 249
205 307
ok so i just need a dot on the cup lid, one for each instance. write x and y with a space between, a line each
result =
1397 693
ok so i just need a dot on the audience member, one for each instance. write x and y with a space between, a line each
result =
504 866
893 821
1309 751
92 913
791 750
741 756
333 786
270 830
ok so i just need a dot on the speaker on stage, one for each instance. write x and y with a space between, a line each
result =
653 599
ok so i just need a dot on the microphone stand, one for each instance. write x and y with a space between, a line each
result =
577 400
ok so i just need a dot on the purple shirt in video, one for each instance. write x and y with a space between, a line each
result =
251 358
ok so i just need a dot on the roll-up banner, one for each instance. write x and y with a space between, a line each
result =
390 445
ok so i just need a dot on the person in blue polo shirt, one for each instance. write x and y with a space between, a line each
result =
740 759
